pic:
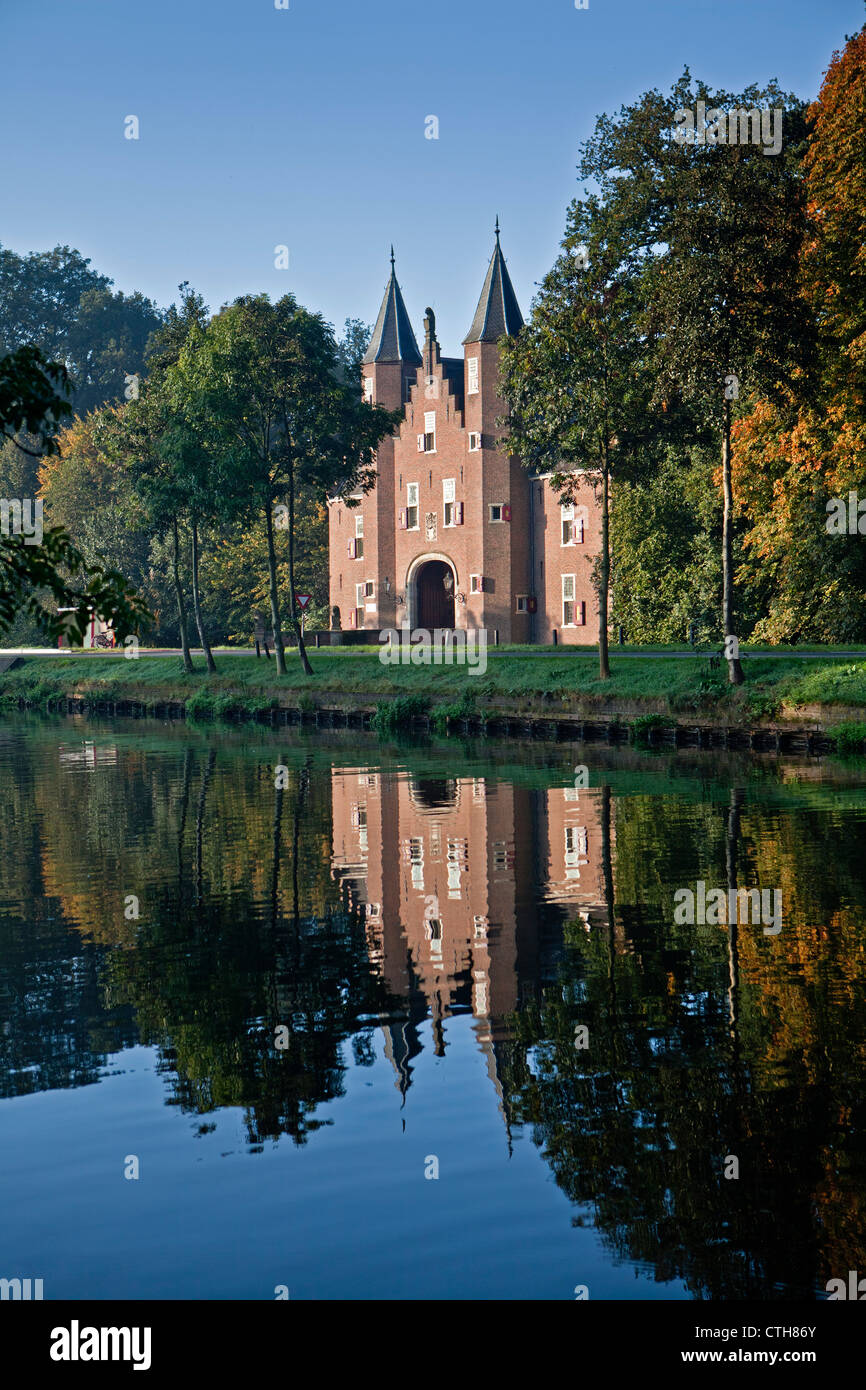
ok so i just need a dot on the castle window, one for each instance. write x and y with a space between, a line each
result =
448 490
500 511
407 390
368 390
430 431
412 507
474 441
476 583
359 537
522 603
575 850
472 369
567 513
568 600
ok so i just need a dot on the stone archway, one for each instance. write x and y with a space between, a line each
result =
433 586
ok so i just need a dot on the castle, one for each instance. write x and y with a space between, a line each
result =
457 533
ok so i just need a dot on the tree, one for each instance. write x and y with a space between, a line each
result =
793 457
136 438
32 576
665 563
719 228
88 493
39 297
352 346
52 300
574 378
266 384
176 481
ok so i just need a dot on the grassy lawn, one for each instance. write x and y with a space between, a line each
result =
557 683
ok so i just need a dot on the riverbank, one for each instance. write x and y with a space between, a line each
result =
787 701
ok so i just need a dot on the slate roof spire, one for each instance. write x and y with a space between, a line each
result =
393 339
498 312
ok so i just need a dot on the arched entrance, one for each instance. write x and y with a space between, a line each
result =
434 595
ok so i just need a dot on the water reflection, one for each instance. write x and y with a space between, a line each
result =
269 910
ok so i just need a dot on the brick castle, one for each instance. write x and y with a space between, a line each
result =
457 533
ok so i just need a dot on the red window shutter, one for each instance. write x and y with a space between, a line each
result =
533 605
458 513
351 549
506 513
403 520
481 584
577 531
581 613
420 443
352 617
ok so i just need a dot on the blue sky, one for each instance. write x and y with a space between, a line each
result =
305 127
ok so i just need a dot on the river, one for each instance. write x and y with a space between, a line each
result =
320 1016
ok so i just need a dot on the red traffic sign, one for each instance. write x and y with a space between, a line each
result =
303 601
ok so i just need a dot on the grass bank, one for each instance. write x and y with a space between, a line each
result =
645 691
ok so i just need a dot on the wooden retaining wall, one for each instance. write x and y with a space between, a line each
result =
608 728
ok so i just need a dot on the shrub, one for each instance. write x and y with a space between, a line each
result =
397 714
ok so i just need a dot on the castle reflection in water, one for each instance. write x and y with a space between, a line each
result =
463 882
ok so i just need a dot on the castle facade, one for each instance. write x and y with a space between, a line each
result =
457 533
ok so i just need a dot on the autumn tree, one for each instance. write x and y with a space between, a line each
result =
794 456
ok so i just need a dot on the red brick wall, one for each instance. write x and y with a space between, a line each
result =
520 556
553 560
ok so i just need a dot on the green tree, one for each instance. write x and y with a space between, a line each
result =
719 228
574 378
267 383
37 579
54 301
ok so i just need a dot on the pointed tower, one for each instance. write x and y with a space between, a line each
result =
499 482
498 312
393 357
363 583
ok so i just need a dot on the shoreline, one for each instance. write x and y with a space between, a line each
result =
734 719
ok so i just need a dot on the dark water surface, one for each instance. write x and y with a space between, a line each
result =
289 978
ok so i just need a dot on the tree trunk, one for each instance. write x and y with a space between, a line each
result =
302 650
604 576
196 602
732 647
199 826
732 843
181 603
610 910
275 597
